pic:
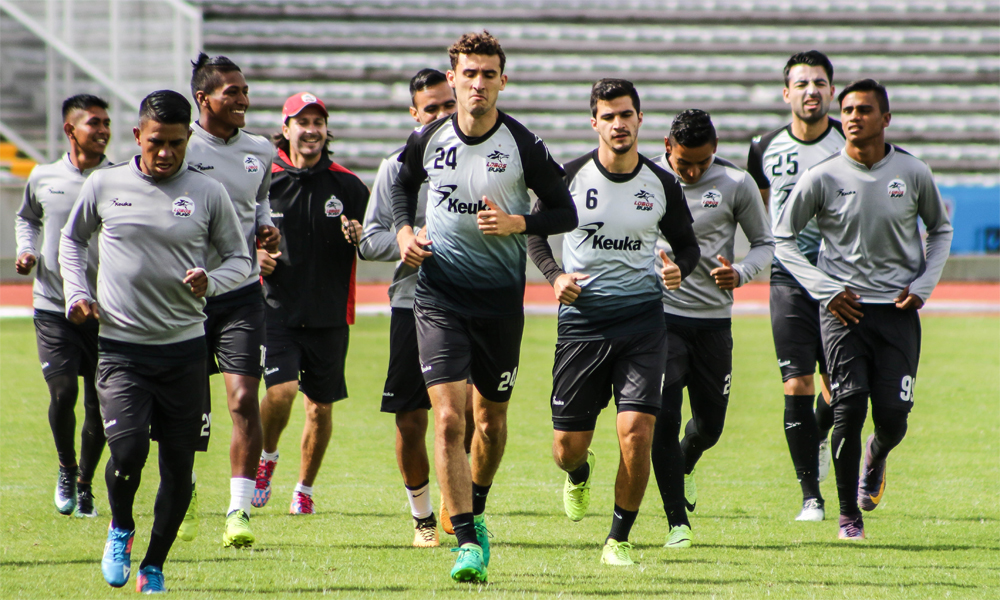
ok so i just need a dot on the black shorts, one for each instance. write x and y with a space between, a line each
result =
701 358
795 326
168 402
404 385
877 357
587 373
236 337
313 356
65 348
455 346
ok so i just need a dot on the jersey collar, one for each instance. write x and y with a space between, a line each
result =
474 141
617 177
830 125
202 133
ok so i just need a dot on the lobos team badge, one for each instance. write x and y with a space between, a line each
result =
496 162
334 207
711 199
645 200
183 207
897 188
251 164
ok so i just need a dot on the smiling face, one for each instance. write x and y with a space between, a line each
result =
162 147
478 82
227 104
617 124
433 103
89 130
306 133
690 163
862 118
809 92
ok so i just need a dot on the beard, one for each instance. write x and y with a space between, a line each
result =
813 117
623 149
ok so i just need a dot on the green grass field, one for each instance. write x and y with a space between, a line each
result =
936 534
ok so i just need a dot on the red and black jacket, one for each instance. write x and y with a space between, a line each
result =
313 282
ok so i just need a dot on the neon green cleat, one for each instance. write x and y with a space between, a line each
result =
690 491
576 496
469 565
483 536
616 553
237 531
189 526
679 537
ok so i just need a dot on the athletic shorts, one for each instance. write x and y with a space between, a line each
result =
404 385
166 402
586 373
795 326
454 347
236 336
313 356
877 357
65 348
701 358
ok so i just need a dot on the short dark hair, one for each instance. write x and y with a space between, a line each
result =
165 106
812 58
693 128
206 71
609 89
82 102
424 79
867 85
477 43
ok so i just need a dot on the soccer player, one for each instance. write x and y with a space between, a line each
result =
469 300
871 278
309 291
405 393
234 327
612 339
699 313
66 350
777 160
157 219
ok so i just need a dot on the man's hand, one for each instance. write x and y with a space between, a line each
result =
83 310
351 229
266 261
412 248
25 263
566 289
269 237
198 280
497 222
845 307
907 301
670 273
726 277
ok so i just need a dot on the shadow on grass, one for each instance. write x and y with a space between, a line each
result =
860 545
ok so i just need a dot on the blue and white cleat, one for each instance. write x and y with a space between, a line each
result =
65 495
150 581
116 565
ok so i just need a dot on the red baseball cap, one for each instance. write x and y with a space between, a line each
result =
297 102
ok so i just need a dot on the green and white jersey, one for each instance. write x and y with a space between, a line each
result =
777 160
867 219
48 198
724 197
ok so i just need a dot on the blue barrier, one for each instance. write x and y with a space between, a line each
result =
975 215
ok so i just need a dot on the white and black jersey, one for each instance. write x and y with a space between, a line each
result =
621 215
471 273
777 160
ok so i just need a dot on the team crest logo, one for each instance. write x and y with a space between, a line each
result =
645 200
897 188
711 199
251 164
183 207
308 98
496 162
333 207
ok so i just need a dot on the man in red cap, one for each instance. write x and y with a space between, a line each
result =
308 289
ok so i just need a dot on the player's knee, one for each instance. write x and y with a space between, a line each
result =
129 454
569 451
243 401
890 425
800 386
450 424
492 427
850 411
411 425
63 390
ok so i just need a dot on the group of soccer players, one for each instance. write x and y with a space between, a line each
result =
221 251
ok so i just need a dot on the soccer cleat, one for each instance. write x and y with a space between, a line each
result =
237 531
189 526
852 528
65 496
84 501
446 519
469 566
576 496
302 504
679 537
690 491
872 483
425 532
262 488
812 510
150 581
825 459
616 553
483 536
117 561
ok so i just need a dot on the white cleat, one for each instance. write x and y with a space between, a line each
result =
812 510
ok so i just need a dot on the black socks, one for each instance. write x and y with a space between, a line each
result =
803 438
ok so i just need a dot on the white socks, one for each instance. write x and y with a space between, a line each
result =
269 455
420 501
240 494
305 489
